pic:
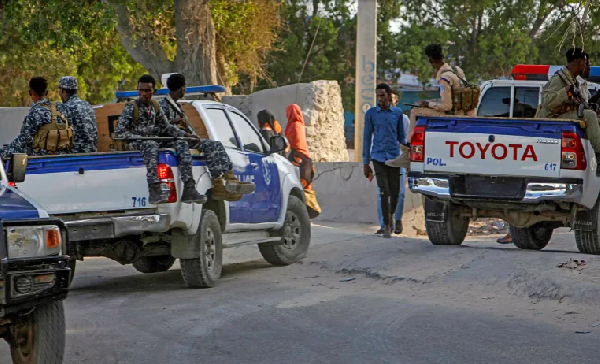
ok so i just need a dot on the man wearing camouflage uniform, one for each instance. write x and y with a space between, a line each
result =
38 115
80 114
226 186
561 96
151 122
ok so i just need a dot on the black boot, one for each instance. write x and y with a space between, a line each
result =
191 195
157 195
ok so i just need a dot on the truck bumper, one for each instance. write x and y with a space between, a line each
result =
535 191
117 226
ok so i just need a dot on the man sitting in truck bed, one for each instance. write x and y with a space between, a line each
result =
561 96
226 186
144 118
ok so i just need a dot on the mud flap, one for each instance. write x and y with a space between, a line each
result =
436 211
586 220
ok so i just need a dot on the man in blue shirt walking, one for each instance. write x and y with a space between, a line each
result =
383 133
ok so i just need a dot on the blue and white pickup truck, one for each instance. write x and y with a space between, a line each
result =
103 199
536 174
34 273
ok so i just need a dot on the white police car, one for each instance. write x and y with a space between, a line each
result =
103 198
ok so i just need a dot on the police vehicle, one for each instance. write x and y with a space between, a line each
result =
536 174
103 199
34 273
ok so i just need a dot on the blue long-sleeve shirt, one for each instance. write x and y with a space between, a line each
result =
386 129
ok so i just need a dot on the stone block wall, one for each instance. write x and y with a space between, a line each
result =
321 104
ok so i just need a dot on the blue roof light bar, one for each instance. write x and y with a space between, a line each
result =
164 91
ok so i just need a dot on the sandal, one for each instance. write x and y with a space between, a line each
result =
505 240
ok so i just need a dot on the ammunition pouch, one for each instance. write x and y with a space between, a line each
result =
464 97
119 145
54 136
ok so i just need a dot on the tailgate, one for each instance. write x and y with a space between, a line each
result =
80 183
493 147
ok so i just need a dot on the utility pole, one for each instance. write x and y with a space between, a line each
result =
366 68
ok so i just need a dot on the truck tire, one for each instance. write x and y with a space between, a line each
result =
295 236
203 272
588 241
40 336
534 237
450 232
154 264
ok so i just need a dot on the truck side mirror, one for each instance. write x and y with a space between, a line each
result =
278 144
17 167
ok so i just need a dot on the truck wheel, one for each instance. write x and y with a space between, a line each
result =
588 241
295 236
154 264
450 232
203 272
534 237
40 336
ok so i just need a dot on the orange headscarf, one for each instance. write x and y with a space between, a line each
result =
295 130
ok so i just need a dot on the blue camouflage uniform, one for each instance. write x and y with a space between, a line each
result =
82 118
217 160
38 115
152 123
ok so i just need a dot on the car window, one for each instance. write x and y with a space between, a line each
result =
222 127
526 102
495 102
249 136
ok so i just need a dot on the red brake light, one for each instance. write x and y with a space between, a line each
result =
12 184
572 152
167 181
417 144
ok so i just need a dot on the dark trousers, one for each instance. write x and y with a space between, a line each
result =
388 181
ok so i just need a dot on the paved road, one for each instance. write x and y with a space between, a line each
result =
304 314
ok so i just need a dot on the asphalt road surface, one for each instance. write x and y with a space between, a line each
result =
355 299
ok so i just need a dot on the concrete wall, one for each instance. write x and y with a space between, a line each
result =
11 120
345 195
321 104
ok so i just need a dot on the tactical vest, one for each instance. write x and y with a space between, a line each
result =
54 136
464 97
119 145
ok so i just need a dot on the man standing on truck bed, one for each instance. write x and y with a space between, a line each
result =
561 96
226 186
81 116
385 127
144 118
44 130
448 77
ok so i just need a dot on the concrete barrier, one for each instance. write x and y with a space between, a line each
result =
345 195
11 120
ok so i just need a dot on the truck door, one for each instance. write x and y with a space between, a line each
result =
267 198
239 211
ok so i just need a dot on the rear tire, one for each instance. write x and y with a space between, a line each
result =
204 271
450 232
295 236
535 237
72 266
588 242
154 264
40 336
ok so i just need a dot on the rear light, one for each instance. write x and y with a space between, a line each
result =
417 144
572 153
167 182
12 184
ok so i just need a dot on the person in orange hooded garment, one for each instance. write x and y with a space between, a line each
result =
295 132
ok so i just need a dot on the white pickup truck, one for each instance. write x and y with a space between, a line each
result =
103 199
536 174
